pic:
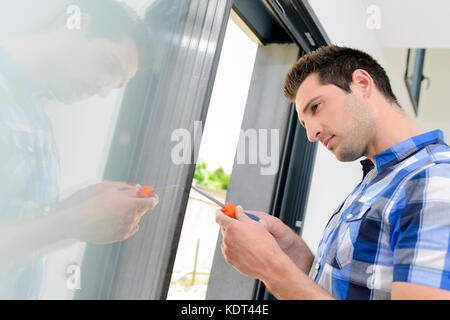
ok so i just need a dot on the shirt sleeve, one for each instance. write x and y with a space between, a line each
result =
420 229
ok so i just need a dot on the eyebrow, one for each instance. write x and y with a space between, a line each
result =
310 102
305 108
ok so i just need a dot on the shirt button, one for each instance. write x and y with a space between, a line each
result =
349 216
317 266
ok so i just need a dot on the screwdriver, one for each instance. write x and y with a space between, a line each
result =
148 191
228 208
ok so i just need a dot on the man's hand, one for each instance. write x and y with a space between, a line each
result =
289 241
106 212
247 245
284 235
254 251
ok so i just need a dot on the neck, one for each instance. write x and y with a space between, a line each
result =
394 126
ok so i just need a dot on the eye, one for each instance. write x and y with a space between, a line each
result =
314 107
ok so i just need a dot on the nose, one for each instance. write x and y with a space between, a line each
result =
313 131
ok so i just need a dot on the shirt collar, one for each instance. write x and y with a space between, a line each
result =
402 150
367 165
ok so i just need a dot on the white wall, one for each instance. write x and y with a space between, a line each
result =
410 23
434 110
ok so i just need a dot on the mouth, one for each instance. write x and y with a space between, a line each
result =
327 141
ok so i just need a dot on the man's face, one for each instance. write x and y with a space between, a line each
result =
93 66
343 122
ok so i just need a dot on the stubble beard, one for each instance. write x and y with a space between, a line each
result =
358 132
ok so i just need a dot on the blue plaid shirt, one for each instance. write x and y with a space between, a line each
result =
28 170
394 226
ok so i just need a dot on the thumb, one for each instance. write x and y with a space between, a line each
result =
264 224
223 220
240 215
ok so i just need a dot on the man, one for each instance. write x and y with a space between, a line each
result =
390 237
56 62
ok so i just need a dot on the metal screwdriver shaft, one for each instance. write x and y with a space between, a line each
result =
208 196
251 216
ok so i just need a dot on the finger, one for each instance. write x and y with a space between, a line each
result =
146 203
241 216
138 213
122 187
259 214
264 224
263 218
222 248
129 190
132 231
223 220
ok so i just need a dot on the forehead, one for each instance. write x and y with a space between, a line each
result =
309 88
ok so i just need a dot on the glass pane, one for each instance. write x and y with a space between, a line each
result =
216 158
90 95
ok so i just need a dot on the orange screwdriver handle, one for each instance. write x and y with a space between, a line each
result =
146 192
230 210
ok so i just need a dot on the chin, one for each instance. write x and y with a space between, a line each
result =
347 156
340 158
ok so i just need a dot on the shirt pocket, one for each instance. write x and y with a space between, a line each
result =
346 235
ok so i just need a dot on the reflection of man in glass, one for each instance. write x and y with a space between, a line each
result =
64 64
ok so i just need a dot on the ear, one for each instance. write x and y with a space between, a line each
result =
362 83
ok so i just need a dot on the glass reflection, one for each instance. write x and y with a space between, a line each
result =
63 53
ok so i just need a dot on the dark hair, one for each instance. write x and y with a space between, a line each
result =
113 20
335 65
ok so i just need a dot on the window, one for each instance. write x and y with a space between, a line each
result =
414 75
218 147
87 97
